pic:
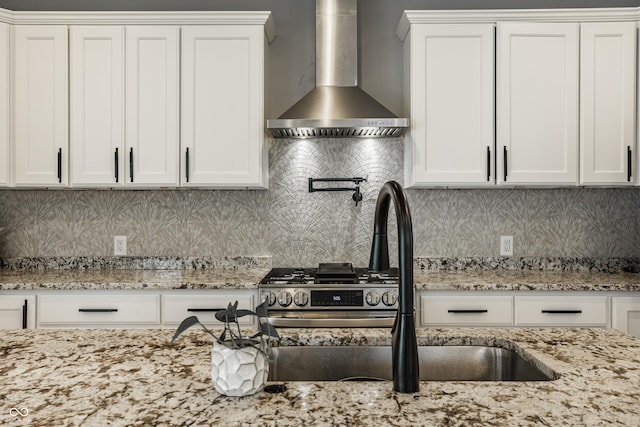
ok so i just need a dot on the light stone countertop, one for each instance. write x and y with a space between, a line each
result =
116 279
248 278
95 377
525 280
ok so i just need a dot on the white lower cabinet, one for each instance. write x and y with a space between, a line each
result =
120 309
441 310
182 304
17 311
166 309
626 315
565 310
553 309
94 309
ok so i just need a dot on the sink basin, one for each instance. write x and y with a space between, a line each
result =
437 363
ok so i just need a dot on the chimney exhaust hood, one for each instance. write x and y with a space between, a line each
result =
337 107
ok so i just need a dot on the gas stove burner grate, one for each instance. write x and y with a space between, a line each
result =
330 273
336 273
293 276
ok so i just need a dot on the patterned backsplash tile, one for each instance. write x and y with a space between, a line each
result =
300 228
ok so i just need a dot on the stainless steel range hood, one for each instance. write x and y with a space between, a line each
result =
337 107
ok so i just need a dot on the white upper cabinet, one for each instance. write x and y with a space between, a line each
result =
223 138
152 105
41 138
96 104
105 60
537 103
450 101
5 49
110 100
607 103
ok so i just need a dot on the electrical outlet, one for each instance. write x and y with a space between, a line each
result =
120 245
506 245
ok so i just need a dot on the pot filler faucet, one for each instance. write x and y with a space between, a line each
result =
404 351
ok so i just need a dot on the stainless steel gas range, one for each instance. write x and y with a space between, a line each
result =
331 295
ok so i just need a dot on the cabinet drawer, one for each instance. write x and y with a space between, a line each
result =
466 310
561 311
113 310
175 308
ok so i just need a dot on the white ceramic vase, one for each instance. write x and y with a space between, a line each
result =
238 372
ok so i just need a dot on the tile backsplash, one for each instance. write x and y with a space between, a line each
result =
300 228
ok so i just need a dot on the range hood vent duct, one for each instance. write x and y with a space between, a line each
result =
337 107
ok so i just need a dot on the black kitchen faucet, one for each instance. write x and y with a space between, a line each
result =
404 342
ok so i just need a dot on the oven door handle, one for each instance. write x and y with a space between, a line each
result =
298 322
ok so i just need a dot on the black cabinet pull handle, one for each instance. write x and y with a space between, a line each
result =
24 315
117 165
504 161
629 163
204 310
131 163
97 310
468 311
488 163
60 165
562 311
186 164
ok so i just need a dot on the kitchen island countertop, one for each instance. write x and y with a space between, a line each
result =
248 278
135 377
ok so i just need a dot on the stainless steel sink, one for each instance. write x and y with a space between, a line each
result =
437 363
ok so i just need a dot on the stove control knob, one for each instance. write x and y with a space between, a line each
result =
389 298
269 296
284 299
373 298
301 299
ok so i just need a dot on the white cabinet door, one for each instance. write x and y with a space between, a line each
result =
17 311
626 315
5 49
152 105
223 106
97 105
607 102
451 102
41 138
537 103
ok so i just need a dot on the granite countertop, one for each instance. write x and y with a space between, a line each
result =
248 278
135 377
525 280
131 279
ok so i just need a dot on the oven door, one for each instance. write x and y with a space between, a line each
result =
332 318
